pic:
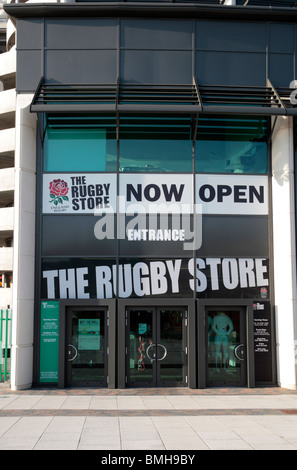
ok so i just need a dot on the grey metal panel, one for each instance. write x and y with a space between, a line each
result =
281 69
112 344
250 347
121 345
29 67
156 66
221 236
231 36
81 33
76 237
156 34
234 236
231 68
192 345
89 66
29 34
281 37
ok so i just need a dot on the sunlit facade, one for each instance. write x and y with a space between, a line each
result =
155 154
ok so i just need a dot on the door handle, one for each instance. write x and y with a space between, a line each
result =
165 352
236 352
75 352
147 350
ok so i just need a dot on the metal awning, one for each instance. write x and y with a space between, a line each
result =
270 3
55 98
241 100
147 98
285 96
58 97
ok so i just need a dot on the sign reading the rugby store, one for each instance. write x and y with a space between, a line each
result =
78 194
147 193
90 278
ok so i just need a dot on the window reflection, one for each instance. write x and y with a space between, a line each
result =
223 338
80 144
156 144
231 145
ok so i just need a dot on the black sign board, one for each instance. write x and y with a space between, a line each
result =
85 278
262 342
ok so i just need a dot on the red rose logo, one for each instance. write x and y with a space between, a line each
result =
58 190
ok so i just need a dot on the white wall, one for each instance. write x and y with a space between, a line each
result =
283 207
24 246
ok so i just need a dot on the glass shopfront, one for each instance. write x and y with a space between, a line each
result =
157 213
157 347
86 347
226 347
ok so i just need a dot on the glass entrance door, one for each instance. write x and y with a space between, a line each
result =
156 347
86 347
227 349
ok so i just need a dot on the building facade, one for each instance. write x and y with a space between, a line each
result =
7 147
154 218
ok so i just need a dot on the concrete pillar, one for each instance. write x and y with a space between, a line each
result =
284 250
24 245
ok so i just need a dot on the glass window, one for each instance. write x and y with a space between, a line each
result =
80 144
156 144
231 145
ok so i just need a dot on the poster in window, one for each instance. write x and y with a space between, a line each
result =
89 334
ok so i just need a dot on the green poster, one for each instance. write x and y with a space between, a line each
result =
49 341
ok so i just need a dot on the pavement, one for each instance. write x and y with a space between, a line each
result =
145 420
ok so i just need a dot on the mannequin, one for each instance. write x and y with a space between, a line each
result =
222 326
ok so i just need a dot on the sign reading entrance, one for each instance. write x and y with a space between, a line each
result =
49 341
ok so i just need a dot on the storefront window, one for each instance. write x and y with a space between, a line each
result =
231 145
80 144
156 144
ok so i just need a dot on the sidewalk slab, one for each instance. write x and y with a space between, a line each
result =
111 420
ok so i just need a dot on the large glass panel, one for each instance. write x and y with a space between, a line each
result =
87 348
226 353
231 145
80 144
170 351
141 347
156 144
